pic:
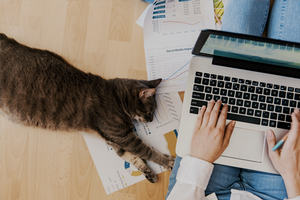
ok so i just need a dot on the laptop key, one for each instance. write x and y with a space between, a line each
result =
262 106
224 99
248 82
198 80
251 89
198 103
297 90
264 122
266 114
273 116
254 104
258 90
223 92
241 81
227 78
277 101
242 110
246 96
297 97
282 87
284 125
270 107
290 89
282 94
241 118
231 101
208 97
197 95
243 87
255 83
213 82
206 75
231 93
288 118
205 81
199 74
215 90
236 86
208 89
285 102
269 85
213 76
239 102
286 110
220 77
221 84
267 91
199 88
238 94
272 123
261 84
281 117
228 85
217 97
194 110
293 104
234 80
278 109
234 109
247 104
257 113
290 95
276 87
261 98
274 93
250 112
269 99
254 97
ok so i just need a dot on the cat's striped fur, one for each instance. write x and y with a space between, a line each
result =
39 88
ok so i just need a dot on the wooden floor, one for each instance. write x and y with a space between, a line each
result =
98 36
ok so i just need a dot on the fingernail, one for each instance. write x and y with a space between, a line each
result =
212 100
219 100
296 110
233 123
269 133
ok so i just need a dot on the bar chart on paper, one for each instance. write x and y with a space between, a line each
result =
171 65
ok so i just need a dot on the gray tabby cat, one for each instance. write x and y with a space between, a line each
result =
39 88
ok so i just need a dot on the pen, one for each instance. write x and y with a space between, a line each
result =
279 143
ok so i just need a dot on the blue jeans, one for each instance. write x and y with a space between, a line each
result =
224 178
250 17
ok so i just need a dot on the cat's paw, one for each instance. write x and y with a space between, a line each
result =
168 162
150 176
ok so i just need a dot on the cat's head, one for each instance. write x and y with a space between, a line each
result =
146 103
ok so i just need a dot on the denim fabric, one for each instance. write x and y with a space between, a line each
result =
246 16
224 178
284 21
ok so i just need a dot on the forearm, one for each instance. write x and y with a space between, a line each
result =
292 184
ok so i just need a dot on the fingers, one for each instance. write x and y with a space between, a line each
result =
295 128
228 132
271 140
207 113
200 117
214 114
222 118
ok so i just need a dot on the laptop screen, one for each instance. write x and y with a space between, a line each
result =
252 50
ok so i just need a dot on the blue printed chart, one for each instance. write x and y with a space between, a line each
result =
170 64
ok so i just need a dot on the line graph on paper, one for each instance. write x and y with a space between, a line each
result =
180 25
171 66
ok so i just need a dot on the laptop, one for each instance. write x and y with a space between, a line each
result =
258 78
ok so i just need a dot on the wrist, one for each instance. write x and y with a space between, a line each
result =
292 184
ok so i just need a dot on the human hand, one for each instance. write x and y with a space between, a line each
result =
210 137
287 159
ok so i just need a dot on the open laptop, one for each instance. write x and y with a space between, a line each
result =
257 77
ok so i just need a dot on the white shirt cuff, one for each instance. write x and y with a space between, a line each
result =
195 171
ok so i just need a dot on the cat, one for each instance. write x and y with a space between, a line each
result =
40 88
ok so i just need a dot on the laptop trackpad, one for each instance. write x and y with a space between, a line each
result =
246 144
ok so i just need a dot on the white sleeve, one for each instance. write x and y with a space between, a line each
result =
297 198
192 179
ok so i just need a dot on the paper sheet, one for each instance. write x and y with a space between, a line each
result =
171 29
161 134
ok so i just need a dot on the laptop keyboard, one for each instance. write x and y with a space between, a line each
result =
248 101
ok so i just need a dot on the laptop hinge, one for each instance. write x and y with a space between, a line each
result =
255 66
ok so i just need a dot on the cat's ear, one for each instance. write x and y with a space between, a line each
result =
154 83
147 92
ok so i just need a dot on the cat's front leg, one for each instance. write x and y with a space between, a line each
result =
136 146
136 161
